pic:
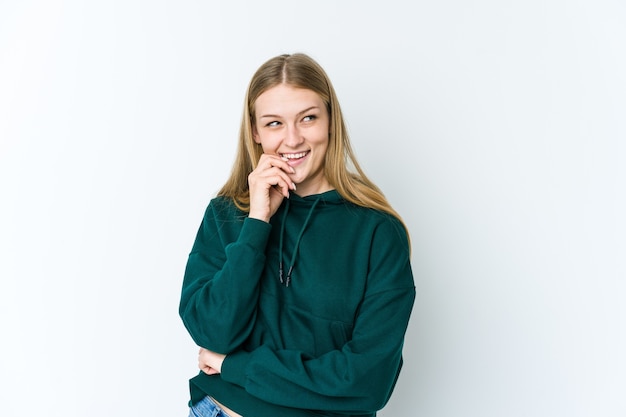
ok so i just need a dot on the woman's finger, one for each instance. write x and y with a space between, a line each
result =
276 161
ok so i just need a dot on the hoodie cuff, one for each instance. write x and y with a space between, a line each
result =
255 233
234 367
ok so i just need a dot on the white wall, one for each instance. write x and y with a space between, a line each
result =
497 128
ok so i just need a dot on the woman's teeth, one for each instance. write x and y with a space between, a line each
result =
294 155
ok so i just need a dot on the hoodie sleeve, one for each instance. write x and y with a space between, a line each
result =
220 286
360 376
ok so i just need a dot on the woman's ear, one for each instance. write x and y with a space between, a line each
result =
255 135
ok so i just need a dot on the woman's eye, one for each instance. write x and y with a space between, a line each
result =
272 124
309 118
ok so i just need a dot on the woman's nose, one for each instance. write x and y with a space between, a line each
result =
293 137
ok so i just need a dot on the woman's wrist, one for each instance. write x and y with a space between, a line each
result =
259 216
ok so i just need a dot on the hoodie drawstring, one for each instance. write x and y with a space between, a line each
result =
287 280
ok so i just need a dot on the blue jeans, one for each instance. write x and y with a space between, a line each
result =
206 408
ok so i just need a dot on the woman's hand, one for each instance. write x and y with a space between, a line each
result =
269 183
210 362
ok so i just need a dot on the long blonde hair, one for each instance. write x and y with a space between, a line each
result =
301 71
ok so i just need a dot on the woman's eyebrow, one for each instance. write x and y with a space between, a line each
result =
298 114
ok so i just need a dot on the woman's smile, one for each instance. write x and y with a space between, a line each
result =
295 159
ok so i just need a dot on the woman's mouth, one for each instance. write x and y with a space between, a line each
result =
294 158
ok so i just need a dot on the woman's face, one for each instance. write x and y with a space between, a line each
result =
293 123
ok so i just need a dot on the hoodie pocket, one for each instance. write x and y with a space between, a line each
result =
285 326
316 335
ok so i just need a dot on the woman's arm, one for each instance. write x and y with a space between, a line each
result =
220 287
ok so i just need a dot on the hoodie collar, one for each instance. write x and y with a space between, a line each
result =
329 197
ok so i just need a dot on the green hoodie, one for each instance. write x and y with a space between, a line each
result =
311 308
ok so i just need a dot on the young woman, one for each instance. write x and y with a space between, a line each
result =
298 288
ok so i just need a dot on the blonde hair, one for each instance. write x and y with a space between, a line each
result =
301 71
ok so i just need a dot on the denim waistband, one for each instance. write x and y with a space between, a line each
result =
206 408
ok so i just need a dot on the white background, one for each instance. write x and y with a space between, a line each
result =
496 128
